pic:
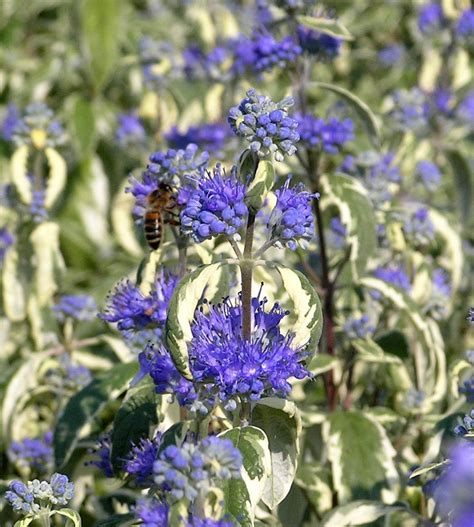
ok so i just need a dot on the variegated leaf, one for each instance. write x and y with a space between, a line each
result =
356 213
327 26
57 176
242 496
14 298
260 185
361 512
19 174
181 313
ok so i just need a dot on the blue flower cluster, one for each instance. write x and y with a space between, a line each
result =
337 233
467 426
130 131
38 128
10 121
156 362
33 453
395 275
157 61
465 111
441 283
101 453
152 513
37 209
132 311
236 367
265 124
429 174
454 489
358 327
38 495
324 47
291 221
431 19
391 55
168 166
139 463
410 111
183 471
68 376
269 53
467 389
210 137
214 205
418 228
465 28
6 240
76 307
329 135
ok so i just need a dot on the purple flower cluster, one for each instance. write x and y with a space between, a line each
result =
265 125
337 233
6 240
465 28
210 137
329 135
130 131
269 53
465 111
431 19
133 311
38 128
152 513
168 166
429 174
324 47
441 284
214 205
182 471
157 60
410 111
37 209
33 453
11 120
454 489
101 454
156 362
395 275
467 426
358 327
237 367
139 463
77 307
291 221
418 228
391 55
38 495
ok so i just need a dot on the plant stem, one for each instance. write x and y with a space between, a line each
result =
246 270
327 286
45 520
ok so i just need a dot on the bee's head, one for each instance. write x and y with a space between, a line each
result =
164 187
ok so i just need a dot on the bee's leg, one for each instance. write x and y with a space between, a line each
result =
172 221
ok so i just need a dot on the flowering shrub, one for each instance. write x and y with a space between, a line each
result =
294 347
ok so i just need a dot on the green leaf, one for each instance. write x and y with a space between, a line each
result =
181 311
316 481
357 215
22 382
370 351
361 456
327 26
120 520
83 125
56 178
14 296
243 495
462 182
362 110
280 421
305 308
427 468
19 174
322 362
260 185
100 32
361 512
49 261
134 419
82 408
24 522
122 222
70 515
428 351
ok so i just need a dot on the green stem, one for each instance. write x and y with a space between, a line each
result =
45 519
246 270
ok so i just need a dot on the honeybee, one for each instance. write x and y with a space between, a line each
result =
160 206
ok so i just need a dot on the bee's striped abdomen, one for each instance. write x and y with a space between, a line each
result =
153 228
